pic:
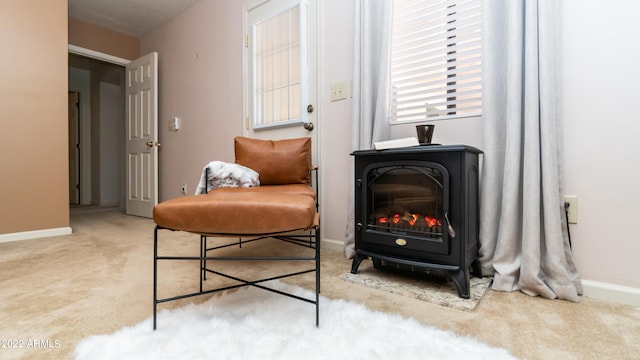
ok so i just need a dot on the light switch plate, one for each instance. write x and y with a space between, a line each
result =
339 91
174 124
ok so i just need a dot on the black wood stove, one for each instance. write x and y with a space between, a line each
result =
416 208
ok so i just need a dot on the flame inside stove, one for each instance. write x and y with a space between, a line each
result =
396 218
431 221
411 219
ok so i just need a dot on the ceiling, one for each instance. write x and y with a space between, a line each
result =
131 17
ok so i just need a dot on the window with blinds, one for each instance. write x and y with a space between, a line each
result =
436 59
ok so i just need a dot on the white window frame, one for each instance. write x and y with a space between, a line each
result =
456 23
256 116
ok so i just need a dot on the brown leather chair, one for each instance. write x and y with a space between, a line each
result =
283 207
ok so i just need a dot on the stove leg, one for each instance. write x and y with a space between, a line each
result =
461 280
356 263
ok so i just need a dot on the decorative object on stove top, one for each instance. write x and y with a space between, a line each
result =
425 133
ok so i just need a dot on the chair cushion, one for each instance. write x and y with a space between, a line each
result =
238 211
276 161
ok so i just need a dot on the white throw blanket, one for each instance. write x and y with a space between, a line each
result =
222 174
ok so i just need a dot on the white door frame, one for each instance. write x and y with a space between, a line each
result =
97 55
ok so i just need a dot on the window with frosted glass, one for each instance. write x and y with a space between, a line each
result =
277 73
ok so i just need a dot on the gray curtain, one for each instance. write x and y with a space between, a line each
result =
523 235
370 121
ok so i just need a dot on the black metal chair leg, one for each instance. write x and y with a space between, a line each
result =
203 261
203 257
155 275
317 231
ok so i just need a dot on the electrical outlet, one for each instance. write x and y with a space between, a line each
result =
573 208
339 91
183 189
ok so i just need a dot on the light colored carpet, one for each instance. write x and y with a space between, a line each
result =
435 292
251 323
99 280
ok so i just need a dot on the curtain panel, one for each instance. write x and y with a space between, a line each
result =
523 231
370 112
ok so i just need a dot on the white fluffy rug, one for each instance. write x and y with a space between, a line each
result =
255 324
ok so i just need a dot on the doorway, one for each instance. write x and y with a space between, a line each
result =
99 144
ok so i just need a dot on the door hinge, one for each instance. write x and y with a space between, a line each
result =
246 41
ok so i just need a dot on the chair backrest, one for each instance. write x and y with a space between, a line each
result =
277 162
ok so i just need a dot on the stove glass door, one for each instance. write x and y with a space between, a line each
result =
406 206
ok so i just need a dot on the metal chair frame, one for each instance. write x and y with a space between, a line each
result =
309 240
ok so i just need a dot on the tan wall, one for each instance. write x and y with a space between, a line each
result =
200 72
99 39
33 114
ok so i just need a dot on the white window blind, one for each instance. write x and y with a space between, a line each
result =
436 59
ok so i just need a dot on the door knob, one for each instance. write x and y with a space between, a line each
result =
153 143
308 126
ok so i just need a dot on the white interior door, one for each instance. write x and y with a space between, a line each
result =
281 70
142 135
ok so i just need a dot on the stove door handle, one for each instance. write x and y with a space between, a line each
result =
452 232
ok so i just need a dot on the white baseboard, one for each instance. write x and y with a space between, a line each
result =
333 244
35 234
610 292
